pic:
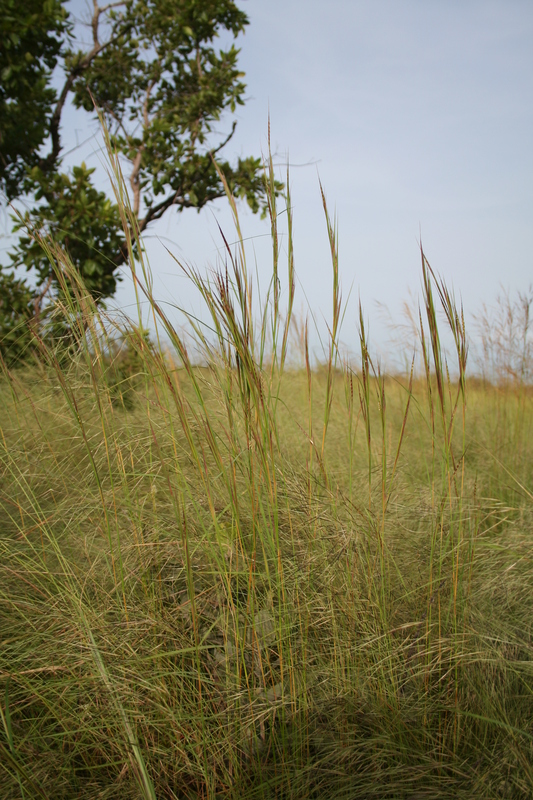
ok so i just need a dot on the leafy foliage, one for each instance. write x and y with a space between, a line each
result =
16 312
155 76
32 35
79 218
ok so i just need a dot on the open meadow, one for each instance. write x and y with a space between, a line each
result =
237 575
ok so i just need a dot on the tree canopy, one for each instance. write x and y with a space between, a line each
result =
33 35
154 72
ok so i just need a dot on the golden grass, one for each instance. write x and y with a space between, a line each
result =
260 582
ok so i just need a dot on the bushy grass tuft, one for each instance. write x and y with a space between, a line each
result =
222 577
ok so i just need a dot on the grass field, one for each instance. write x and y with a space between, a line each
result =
229 577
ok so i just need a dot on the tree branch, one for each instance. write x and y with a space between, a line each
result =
38 303
156 212
103 9
134 177
48 162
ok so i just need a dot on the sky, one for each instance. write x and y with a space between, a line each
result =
417 118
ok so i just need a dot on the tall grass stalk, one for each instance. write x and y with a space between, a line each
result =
204 598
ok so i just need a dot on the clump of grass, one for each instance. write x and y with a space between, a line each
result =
505 334
257 581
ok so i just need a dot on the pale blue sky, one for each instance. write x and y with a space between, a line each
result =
416 114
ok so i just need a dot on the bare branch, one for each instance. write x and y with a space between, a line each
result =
48 162
135 181
103 9
38 303
94 23
134 177
226 140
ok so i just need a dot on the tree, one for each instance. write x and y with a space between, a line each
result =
154 74
32 36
